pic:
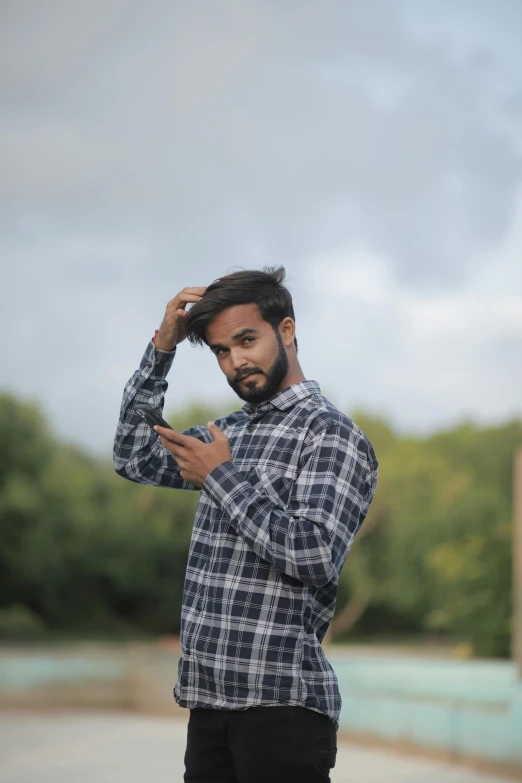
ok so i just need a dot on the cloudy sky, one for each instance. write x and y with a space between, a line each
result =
373 147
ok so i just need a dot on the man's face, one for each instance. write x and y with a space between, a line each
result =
246 345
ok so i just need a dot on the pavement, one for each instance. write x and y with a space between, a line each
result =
83 747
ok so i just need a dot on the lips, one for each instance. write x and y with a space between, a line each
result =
249 377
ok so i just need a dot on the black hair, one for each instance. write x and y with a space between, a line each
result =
261 287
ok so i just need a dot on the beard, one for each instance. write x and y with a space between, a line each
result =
274 377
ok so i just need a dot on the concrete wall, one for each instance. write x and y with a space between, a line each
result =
465 709
462 709
135 677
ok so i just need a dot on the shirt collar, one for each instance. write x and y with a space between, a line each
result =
287 398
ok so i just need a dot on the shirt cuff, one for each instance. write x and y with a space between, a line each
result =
227 486
155 362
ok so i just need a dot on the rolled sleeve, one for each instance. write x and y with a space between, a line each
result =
309 539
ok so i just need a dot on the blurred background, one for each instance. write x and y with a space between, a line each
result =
375 150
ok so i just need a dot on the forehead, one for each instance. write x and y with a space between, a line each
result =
232 320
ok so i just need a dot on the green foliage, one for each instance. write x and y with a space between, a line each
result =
18 623
438 554
84 551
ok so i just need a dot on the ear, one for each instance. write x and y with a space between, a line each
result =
287 331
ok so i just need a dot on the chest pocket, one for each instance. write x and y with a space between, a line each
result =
275 485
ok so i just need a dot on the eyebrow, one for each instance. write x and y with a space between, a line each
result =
237 336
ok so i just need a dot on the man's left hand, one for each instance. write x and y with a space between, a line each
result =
195 458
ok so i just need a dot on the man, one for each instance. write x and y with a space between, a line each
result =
286 483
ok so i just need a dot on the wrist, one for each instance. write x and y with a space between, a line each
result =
159 344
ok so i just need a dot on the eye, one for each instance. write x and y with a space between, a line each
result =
221 351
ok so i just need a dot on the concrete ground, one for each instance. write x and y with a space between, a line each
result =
80 747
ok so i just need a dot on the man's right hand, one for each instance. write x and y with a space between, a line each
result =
172 330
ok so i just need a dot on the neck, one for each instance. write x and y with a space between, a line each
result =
295 375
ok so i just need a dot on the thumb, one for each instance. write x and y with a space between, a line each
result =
215 431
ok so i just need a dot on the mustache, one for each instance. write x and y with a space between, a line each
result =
244 375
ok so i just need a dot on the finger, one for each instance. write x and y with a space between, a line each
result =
188 299
192 295
215 431
178 453
180 462
173 436
199 290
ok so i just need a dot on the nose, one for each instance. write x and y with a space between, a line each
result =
239 362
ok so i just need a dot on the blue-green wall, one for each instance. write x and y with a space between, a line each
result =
465 708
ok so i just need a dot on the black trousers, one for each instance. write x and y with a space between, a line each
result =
259 745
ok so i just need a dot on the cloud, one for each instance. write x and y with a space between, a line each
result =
145 148
349 123
432 356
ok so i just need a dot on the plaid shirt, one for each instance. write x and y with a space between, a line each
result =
271 533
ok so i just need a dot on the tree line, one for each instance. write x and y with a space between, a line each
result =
85 552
